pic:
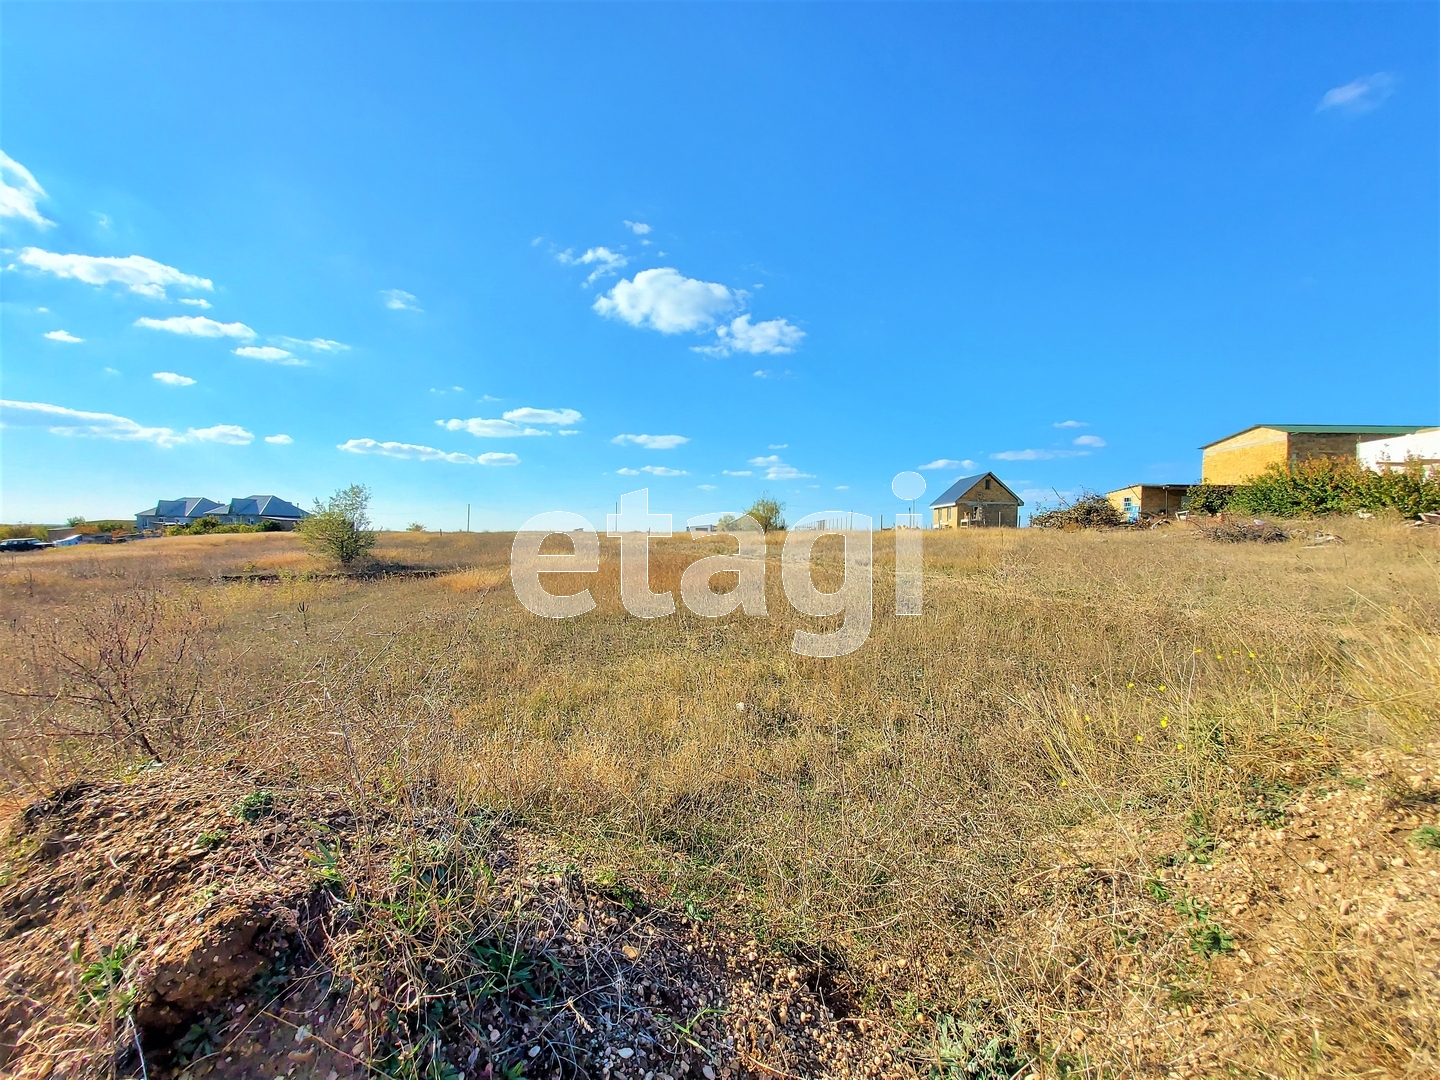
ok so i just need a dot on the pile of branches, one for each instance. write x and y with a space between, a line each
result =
1231 531
1089 511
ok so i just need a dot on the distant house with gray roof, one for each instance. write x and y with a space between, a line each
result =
250 510
982 499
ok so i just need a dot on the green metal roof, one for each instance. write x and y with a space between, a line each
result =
1329 429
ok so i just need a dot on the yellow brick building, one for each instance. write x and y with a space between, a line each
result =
1246 454
978 500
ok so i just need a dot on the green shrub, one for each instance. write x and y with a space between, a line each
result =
339 528
1207 498
1337 486
24 532
768 512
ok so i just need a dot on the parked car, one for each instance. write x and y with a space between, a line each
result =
23 543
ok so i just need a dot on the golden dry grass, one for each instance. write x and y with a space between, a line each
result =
900 815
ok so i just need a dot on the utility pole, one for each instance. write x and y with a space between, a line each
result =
467 517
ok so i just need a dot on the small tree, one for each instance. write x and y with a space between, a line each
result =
339 528
768 512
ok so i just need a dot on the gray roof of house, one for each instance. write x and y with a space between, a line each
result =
266 506
195 506
965 483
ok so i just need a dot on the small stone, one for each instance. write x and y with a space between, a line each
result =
708 1071
626 1052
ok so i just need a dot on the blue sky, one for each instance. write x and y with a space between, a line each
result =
531 257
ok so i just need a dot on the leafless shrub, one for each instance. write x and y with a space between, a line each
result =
127 669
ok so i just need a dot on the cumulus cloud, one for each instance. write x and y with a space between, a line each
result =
628 472
661 470
65 336
603 259
639 228
318 344
279 440
543 416
416 452
949 463
706 487
137 273
59 420
19 192
198 326
773 336
270 354
737 472
513 425
1359 96
196 301
779 446
1071 423
169 378
651 442
775 469
1090 440
229 434
399 300
1037 455
666 300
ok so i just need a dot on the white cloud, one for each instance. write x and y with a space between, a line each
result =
1071 423
1037 455
137 273
603 259
18 199
661 470
318 344
230 434
779 446
766 373
543 416
773 336
945 463
196 301
415 452
737 472
568 431
1090 440
65 336
1361 95
842 487
651 442
59 420
706 487
489 429
663 299
169 378
270 354
279 440
399 300
775 469
639 228
198 326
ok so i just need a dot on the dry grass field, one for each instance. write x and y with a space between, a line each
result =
1117 804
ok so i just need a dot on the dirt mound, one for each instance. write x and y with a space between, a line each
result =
211 923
